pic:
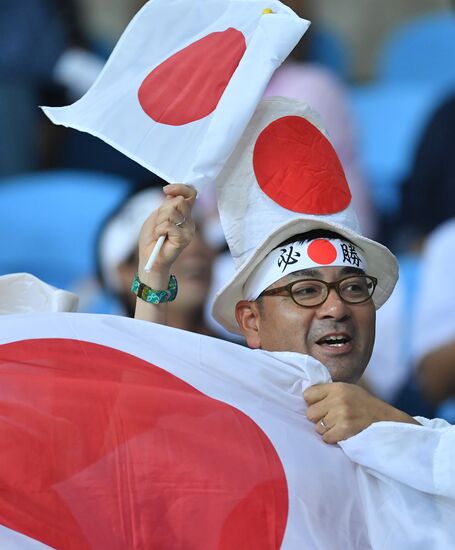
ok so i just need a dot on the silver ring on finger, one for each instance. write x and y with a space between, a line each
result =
179 224
322 423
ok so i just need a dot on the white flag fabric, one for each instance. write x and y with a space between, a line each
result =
183 82
124 434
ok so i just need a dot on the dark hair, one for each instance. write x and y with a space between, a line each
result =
313 234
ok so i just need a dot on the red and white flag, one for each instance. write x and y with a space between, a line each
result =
123 434
183 82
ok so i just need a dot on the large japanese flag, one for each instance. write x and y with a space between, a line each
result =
120 434
183 82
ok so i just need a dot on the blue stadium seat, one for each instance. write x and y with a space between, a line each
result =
49 222
18 117
390 120
422 50
329 49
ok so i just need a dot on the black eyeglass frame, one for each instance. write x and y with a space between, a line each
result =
335 285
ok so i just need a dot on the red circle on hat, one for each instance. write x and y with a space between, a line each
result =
322 252
188 85
116 452
297 167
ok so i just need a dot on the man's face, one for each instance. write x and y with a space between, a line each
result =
338 334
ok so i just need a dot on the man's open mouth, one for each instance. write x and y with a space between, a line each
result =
335 340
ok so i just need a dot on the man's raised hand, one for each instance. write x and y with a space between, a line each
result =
172 220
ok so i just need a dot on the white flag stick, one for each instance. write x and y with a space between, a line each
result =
154 253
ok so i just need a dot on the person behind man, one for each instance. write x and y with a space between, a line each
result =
434 332
117 260
312 284
427 195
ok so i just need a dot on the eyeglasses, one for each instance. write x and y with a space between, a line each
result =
354 289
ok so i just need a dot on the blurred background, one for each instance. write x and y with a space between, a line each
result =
382 76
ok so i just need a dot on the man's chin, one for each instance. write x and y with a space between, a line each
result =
347 377
342 369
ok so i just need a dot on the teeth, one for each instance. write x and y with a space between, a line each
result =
335 341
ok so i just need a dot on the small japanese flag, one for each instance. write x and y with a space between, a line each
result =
183 82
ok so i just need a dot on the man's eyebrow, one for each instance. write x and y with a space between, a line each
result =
306 273
316 273
352 271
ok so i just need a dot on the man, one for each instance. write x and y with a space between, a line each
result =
335 326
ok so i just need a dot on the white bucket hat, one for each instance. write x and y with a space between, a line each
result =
25 293
284 178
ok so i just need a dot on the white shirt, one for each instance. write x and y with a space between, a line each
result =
422 457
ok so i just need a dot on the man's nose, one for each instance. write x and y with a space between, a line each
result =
334 307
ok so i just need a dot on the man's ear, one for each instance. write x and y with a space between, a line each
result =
248 317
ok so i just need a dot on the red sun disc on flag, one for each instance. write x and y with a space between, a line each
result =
322 252
189 84
297 167
101 449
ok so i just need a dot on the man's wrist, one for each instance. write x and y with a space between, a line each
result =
395 415
154 279
155 296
